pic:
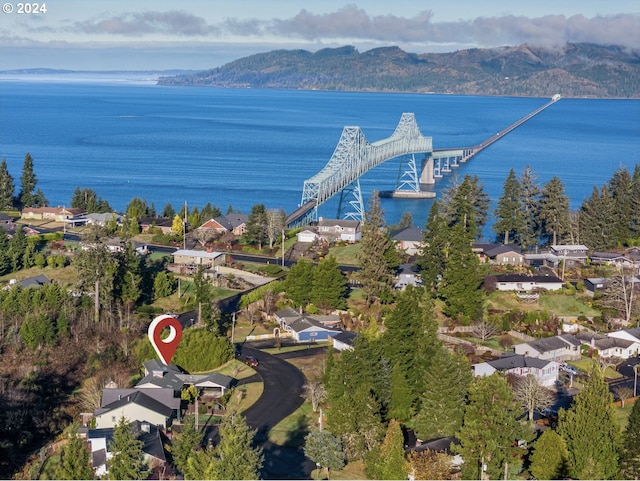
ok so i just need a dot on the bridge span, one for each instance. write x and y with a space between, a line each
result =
354 156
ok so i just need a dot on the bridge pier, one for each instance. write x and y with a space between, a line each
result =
427 175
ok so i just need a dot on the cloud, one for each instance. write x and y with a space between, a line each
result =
178 23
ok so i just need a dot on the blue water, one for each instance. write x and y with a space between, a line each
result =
240 147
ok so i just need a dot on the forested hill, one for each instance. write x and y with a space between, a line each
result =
577 70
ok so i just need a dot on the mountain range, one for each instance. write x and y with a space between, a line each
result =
576 70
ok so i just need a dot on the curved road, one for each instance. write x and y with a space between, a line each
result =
281 397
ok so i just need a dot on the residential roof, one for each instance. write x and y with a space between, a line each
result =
304 323
161 376
554 343
152 441
602 342
502 249
569 247
411 234
36 281
165 396
206 380
4 217
513 361
159 221
346 337
339 222
141 399
526 278
197 253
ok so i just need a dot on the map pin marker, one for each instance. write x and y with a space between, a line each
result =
165 347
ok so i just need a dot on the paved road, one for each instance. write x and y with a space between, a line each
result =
281 397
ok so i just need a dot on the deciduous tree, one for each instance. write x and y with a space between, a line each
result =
532 395
429 464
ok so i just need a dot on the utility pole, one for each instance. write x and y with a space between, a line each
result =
184 227
283 238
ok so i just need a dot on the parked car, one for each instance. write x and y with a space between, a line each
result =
251 361
569 369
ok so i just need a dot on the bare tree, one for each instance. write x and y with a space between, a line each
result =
532 395
204 235
624 393
275 224
315 392
484 329
91 394
620 294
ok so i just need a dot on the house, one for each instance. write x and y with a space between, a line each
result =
545 371
192 257
611 258
557 348
57 214
234 223
307 236
631 334
35 281
501 254
304 328
159 376
102 219
135 406
407 276
408 240
593 284
100 442
608 346
344 340
165 225
571 255
166 396
334 230
523 282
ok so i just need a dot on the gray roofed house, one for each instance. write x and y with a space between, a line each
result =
522 282
545 372
609 346
408 239
36 281
339 229
344 340
135 406
565 347
158 375
166 396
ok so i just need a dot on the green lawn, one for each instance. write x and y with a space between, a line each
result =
292 429
559 304
345 255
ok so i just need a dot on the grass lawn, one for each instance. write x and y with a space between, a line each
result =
353 470
292 429
622 414
559 304
235 369
252 393
65 276
345 255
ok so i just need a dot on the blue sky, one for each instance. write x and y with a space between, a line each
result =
200 34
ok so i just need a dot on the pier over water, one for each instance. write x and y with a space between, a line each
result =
354 156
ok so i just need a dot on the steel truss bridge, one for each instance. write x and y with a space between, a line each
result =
355 156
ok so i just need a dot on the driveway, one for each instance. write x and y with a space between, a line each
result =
281 397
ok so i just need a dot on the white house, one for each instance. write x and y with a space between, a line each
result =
545 372
609 346
136 406
632 335
307 236
557 348
339 229
521 282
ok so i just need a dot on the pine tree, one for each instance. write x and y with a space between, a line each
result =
436 245
635 203
256 233
553 214
596 213
528 238
590 429
235 457
387 461
467 204
402 402
299 281
325 450
329 285
490 428
442 402
462 279
549 457
509 220
128 459
630 455
378 257
621 188
75 458
28 182
7 187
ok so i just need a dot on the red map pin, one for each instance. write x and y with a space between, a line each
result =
165 347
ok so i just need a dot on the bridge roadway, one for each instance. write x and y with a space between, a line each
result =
354 156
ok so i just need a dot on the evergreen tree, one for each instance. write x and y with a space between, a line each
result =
5 260
549 457
89 201
324 449
509 219
621 188
490 428
7 187
185 443
128 459
635 203
378 257
75 458
590 429
16 250
442 402
435 249
28 183
528 238
595 226
234 457
168 212
256 233
410 338
630 455
387 461
402 402
467 204
299 281
138 208
329 285
462 279
553 214
209 212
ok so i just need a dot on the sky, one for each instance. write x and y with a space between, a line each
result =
202 34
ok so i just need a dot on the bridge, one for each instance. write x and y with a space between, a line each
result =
354 156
